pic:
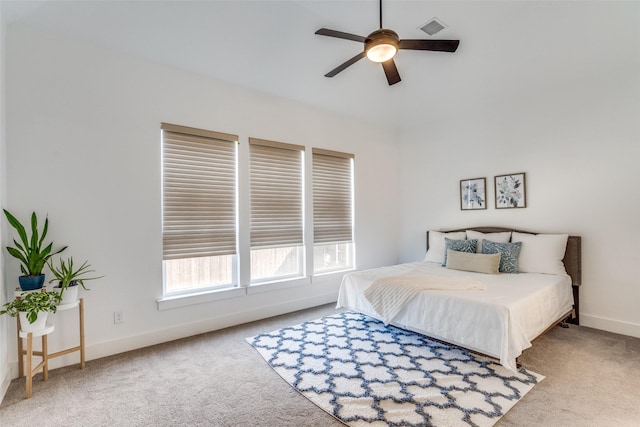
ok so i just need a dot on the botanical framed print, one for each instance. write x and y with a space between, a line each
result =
473 194
510 191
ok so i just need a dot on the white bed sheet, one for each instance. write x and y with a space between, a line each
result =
500 321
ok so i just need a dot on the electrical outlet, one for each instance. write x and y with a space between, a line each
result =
118 317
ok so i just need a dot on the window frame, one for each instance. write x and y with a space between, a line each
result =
242 281
184 217
277 202
333 204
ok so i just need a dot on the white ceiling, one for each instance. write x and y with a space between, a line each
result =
510 51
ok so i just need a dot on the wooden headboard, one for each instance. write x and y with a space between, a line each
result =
572 256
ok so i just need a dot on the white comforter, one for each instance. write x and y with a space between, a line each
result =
389 295
499 321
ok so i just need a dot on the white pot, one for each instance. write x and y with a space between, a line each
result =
40 323
69 296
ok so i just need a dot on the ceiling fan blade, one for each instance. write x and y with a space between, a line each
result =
348 63
391 71
437 45
340 35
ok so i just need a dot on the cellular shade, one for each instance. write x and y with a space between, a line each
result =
332 197
276 183
199 192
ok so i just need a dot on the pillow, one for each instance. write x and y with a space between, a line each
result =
480 263
500 237
542 253
508 254
437 250
459 245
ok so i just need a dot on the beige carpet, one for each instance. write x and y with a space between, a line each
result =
216 379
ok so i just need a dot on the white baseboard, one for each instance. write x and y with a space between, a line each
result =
108 348
121 345
610 325
5 381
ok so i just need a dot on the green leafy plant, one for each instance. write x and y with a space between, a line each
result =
33 303
31 251
67 276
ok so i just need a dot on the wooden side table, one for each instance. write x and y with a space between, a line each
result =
44 353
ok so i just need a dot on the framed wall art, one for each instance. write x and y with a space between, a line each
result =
473 194
510 191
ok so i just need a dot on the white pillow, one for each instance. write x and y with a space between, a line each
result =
541 253
500 237
436 244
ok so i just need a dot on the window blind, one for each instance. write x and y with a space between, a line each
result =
276 193
332 196
198 192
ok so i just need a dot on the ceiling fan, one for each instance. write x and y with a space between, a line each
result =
382 45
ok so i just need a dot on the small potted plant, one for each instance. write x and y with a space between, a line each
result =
69 279
33 309
30 251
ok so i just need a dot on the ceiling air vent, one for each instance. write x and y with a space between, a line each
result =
432 27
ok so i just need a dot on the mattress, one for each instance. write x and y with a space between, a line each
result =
499 321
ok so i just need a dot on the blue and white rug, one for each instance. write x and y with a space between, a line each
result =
365 373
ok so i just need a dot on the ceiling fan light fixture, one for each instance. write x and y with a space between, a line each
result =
381 45
382 52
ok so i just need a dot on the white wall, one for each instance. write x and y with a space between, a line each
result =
5 373
84 146
579 145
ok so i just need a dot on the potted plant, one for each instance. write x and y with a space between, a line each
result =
30 251
33 309
69 279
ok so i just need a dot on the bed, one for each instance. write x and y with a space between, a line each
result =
499 317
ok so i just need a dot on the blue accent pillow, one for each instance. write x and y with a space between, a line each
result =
509 253
460 246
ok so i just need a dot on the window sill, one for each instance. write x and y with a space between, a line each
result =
185 300
167 303
328 273
257 288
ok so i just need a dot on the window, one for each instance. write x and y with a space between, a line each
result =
332 211
198 209
200 220
276 182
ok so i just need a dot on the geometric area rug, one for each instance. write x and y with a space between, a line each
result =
367 374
